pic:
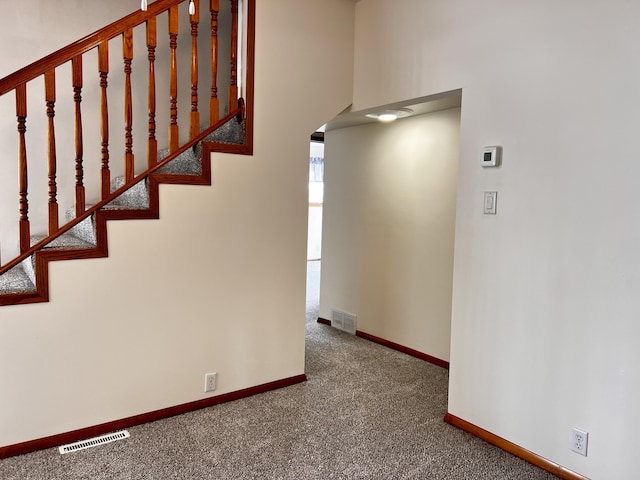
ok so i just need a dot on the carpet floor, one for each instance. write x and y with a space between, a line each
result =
366 412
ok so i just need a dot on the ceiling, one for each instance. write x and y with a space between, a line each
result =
420 106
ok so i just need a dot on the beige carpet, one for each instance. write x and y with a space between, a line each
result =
366 412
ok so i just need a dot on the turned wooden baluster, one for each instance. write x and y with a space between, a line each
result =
173 80
152 150
76 73
103 67
50 98
233 83
214 103
21 114
195 115
127 54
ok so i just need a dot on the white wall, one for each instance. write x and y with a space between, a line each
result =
388 228
545 312
217 284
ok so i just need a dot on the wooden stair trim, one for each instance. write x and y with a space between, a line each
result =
245 111
119 191
44 256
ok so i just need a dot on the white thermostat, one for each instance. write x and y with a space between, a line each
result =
491 156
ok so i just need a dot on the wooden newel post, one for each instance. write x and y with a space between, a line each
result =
233 82
50 98
214 103
21 114
195 115
173 80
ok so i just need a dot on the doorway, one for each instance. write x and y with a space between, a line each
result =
314 235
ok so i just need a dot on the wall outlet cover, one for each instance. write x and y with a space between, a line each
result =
579 441
210 382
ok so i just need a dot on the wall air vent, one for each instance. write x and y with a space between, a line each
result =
343 321
93 442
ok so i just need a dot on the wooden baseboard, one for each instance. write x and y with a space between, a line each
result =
403 349
513 449
395 346
83 433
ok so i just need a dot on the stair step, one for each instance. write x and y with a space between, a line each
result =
16 281
21 279
85 230
187 163
231 132
66 241
135 198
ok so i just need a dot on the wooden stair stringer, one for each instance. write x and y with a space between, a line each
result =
101 217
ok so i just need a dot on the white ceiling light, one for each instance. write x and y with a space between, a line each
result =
391 114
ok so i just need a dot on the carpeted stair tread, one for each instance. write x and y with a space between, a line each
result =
21 278
16 281
135 198
187 163
232 132
85 230
66 241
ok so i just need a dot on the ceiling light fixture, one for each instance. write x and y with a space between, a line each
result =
391 114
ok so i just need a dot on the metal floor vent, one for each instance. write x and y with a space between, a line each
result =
93 442
343 321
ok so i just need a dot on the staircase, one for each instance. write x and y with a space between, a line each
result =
133 194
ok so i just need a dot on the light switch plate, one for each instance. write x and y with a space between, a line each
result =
490 200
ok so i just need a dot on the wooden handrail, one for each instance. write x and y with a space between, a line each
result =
18 81
65 54
237 113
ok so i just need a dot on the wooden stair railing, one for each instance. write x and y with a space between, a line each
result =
73 54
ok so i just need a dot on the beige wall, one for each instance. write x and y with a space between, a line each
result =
217 284
545 312
388 229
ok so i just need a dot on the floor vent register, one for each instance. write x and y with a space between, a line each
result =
343 321
93 442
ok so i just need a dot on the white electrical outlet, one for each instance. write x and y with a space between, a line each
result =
579 441
210 382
